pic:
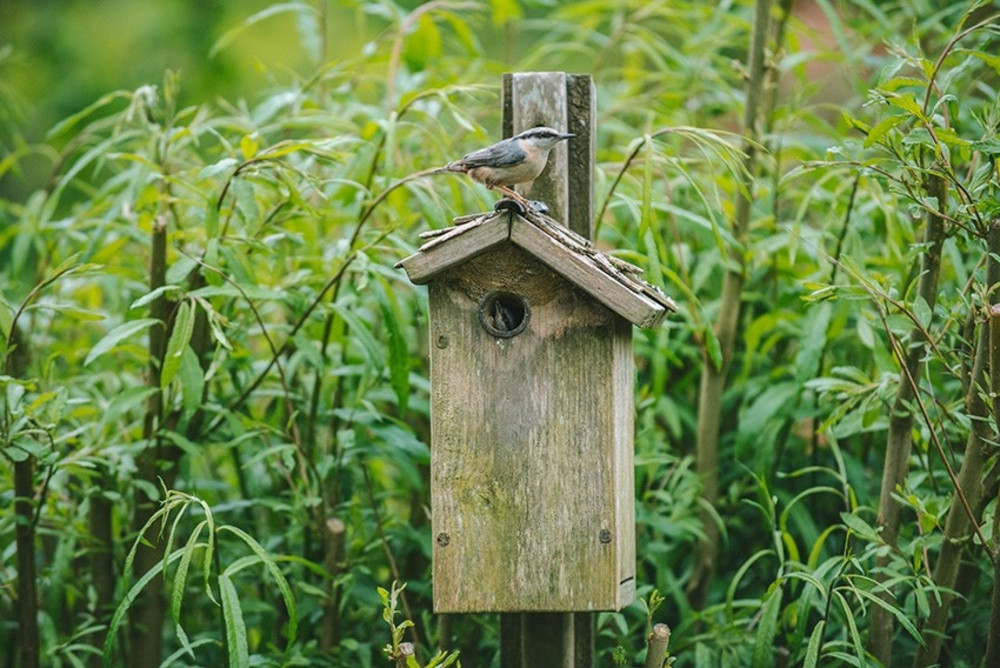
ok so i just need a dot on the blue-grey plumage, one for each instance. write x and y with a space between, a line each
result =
519 159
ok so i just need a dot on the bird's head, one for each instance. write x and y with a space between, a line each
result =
542 137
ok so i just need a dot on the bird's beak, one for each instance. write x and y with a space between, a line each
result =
568 135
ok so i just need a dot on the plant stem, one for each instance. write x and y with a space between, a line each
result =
27 594
713 378
102 566
27 505
388 553
899 441
993 637
657 643
333 550
970 476
147 620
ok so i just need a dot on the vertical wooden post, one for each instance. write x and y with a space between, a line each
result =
567 103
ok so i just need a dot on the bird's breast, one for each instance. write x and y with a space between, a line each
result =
506 176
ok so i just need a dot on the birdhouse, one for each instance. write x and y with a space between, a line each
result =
531 372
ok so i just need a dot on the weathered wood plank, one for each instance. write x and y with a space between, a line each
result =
436 256
539 98
637 307
575 209
531 472
581 110
593 272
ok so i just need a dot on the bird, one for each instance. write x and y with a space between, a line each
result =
511 161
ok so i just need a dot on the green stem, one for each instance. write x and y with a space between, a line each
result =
713 377
899 441
969 484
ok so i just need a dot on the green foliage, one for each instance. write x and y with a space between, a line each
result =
236 644
263 393
394 651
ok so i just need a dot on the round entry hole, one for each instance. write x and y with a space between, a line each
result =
504 314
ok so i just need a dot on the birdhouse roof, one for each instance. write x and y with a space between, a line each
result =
611 281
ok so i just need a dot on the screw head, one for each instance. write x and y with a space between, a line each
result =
442 341
443 539
605 536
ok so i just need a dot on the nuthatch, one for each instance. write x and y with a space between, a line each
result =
519 159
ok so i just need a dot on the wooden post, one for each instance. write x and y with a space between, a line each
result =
531 374
567 103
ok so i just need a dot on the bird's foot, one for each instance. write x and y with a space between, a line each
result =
514 201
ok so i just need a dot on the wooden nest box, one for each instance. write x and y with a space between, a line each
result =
531 374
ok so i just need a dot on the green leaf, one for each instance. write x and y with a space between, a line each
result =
6 318
811 659
813 341
123 607
989 58
734 582
167 291
901 616
859 526
275 572
117 335
504 11
908 103
399 361
766 406
70 122
192 380
424 45
922 312
361 336
237 645
763 647
249 145
180 581
649 157
852 626
224 166
179 339
713 348
990 147
879 130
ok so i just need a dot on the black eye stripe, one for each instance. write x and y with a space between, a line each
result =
539 134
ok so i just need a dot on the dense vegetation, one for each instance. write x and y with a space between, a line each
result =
213 396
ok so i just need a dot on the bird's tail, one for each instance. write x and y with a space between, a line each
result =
451 167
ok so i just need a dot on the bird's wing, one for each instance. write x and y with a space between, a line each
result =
498 155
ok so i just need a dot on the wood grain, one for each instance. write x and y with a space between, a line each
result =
531 465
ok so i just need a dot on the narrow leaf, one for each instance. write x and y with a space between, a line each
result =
179 339
859 526
237 646
192 380
279 578
812 650
399 361
763 647
852 626
180 580
117 335
123 607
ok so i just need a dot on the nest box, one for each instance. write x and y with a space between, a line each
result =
531 371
